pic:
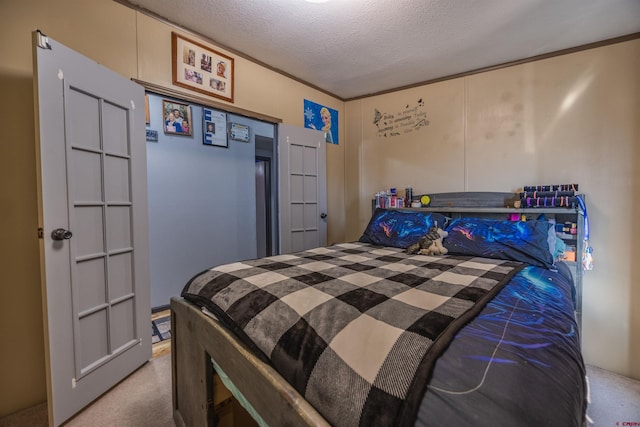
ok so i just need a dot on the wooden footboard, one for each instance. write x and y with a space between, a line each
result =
195 339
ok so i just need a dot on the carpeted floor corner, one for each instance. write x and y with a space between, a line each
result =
35 416
615 399
143 399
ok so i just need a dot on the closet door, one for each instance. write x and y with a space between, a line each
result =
93 225
303 188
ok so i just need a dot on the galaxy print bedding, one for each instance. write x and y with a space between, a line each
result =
517 364
526 241
399 229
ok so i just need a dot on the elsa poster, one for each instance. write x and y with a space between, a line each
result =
322 118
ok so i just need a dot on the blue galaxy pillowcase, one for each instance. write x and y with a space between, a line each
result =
525 241
399 229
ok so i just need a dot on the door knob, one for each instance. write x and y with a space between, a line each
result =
323 215
61 234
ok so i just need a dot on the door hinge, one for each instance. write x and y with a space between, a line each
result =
40 233
43 41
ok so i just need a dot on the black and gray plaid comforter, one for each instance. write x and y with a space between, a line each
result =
355 328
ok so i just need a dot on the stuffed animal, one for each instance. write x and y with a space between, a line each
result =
430 243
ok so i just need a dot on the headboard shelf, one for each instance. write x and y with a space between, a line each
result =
480 202
453 209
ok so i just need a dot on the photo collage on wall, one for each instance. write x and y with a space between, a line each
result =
200 68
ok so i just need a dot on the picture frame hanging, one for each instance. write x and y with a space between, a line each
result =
201 68
176 118
147 116
320 117
240 132
214 128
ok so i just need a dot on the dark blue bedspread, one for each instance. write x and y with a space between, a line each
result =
517 364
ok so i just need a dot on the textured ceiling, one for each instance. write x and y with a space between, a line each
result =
352 48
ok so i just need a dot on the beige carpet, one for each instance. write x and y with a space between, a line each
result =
141 400
615 399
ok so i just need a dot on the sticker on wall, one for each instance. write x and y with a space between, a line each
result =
214 125
322 118
152 135
411 118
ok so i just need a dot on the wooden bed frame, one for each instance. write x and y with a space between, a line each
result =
197 338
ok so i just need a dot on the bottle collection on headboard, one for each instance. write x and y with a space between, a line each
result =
548 196
391 198
560 196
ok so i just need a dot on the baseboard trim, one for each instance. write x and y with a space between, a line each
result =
160 308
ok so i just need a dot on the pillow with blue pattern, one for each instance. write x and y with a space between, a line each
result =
524 241
400 229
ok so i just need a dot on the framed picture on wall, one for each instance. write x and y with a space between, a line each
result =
240 132
322 118
147 117
214 128
176 118
200 68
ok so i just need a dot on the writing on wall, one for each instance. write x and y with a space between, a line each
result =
411 118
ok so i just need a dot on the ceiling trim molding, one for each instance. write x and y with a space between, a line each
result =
196 99
567 51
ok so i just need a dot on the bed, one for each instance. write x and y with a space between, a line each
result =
362 333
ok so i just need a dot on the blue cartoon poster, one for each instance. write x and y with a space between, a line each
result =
322 118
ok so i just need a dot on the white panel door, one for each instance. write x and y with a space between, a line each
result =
92 205
303 188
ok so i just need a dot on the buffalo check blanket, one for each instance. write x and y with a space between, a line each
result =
355 328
